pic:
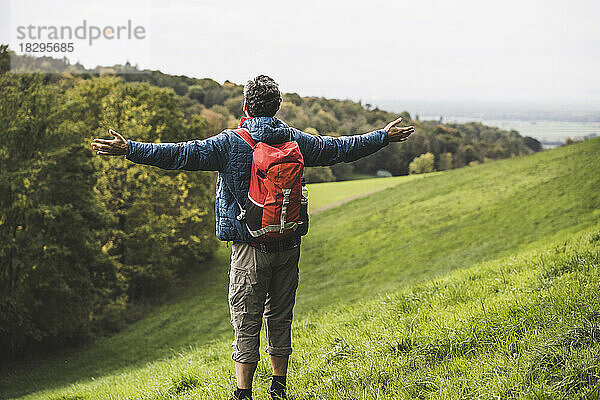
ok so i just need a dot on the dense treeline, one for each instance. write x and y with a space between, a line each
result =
465 144
84 239
220 106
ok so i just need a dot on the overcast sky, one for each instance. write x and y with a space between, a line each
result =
374 50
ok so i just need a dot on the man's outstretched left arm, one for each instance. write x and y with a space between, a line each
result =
329 150
206 155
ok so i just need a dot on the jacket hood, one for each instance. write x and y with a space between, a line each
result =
267 129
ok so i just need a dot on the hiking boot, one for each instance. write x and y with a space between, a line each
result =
277 394
234 397
241 395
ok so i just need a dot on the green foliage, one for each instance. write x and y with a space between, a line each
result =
422 164
54 279
318 174
4 58
221 107
160 224
532 143
343 171
445 161
465 142
84 236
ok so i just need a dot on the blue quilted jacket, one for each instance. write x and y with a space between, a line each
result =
231 156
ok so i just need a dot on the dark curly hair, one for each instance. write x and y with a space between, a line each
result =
262 97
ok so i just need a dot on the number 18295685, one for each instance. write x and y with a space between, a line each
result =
49 47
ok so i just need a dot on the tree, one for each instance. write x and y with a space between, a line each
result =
53 277
160 224
220 106
445 161
342 171
4 58
318 174
323 121
422 164
532 143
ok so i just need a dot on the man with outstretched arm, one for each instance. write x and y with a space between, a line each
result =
262 278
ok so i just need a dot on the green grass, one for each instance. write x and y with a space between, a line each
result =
524 326
454 219
328 194
380 312
197 312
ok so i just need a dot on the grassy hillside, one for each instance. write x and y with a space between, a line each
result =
387 242
525 326
448 220
331 194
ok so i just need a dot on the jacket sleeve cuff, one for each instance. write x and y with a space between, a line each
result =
385 140
129 152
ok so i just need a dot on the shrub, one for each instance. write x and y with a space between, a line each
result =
445 161
318 174
422 164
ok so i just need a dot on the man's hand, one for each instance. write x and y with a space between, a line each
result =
398 134
114 147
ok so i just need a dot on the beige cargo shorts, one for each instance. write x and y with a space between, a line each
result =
262 287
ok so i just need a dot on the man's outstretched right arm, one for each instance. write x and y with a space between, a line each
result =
206 155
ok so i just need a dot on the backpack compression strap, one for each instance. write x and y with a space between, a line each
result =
244 134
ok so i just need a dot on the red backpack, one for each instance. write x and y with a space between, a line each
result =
273 207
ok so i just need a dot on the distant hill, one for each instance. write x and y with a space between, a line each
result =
221 106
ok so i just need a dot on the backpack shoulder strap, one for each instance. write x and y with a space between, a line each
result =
244 134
